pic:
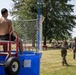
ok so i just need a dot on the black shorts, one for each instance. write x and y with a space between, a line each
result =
6 37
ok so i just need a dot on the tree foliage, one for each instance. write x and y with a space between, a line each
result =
59 20
24 9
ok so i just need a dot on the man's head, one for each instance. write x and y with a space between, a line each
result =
4 12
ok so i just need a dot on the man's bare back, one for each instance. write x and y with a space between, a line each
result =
5 25
6 28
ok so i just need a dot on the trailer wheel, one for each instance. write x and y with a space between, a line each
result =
12 66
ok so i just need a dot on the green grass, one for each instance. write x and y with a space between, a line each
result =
51 63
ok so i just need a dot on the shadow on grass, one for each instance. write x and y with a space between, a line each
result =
69 65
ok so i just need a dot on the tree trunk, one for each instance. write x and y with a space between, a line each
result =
46 22
44 40
33 42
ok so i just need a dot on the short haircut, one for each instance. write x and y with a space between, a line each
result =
3 11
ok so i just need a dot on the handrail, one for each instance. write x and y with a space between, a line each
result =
16 41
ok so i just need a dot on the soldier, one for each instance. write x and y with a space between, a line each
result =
64 52
74 48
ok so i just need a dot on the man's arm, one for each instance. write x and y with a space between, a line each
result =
10 26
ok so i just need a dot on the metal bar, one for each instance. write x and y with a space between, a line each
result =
38 34
12 42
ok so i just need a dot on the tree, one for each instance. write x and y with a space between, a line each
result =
58 22
24 9
58 19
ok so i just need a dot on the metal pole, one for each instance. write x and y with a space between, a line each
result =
38 35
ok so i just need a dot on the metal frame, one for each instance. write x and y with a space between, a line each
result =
8 44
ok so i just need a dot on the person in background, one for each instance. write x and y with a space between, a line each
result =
64 53
73 47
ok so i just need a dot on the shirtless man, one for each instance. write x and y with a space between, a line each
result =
6 28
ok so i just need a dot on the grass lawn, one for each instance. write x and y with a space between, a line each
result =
51 63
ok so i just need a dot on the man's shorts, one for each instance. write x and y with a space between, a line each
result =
6 37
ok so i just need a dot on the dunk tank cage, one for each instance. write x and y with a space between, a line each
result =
27 63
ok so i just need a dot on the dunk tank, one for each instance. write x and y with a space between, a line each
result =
12 62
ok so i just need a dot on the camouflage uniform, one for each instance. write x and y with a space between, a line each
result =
64 53
74 49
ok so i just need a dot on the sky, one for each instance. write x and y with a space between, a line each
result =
74 29
6 4
9 4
